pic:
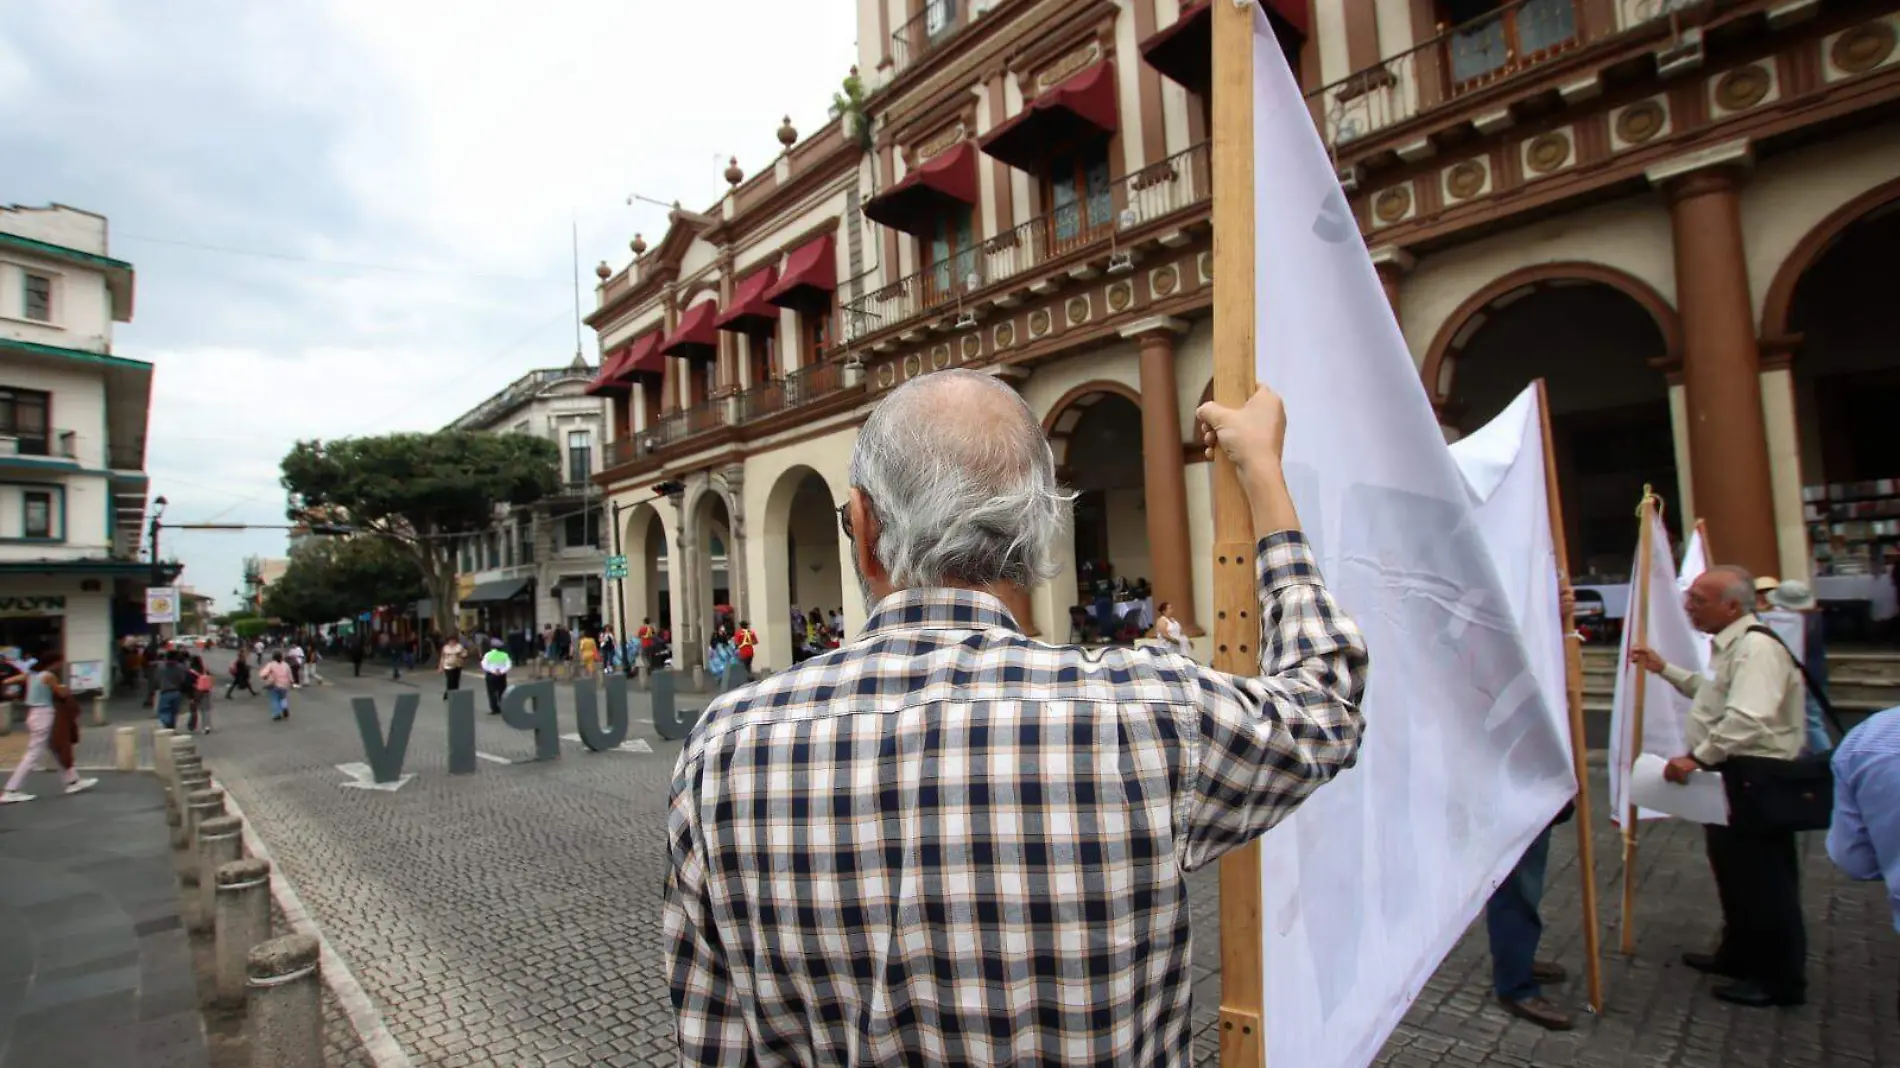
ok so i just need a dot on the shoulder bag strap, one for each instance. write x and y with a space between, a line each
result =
1815 688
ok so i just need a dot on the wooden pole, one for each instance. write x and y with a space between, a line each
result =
1633 748
1708 554
1236 626
1573 693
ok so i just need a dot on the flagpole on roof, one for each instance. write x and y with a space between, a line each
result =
1236 622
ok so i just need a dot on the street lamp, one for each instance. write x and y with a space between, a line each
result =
158 568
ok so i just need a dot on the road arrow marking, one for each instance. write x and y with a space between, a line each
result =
632 745
364 779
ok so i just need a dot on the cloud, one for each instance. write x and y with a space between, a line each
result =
355 217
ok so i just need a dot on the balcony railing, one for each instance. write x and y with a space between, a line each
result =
53 444
1468 57
1132 201
793 390
924 33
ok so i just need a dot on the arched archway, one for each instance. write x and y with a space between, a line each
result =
708 540
1095 434
804 565
1832 308
1600 339
647 586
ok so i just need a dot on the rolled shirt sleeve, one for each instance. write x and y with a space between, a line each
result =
1266 743
1687 683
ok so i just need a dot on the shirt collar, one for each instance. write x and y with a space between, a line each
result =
937 609
1727 635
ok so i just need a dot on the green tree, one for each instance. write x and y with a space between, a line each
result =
419 492
338 579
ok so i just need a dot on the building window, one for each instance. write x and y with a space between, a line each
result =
1079 194
1492 38
507 550
759 351
939 16
952 253
580 455
38 514
814 336
39 297
494 551
23 417
526 535
468 556
701 382
574 530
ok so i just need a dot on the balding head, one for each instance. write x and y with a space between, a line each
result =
1718 597
962 483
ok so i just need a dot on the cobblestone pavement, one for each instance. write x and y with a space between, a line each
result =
513 916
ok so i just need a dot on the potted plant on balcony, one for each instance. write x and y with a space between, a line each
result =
848 105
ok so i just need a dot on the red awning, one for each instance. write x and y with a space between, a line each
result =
947 179
1081 107
750 314
696 337
811 275
608 380
641 356
1184 50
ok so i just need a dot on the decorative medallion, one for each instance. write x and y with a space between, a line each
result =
1038 322
972 347
1392 204
1742 88
1863 48
1548 152
1004 335
1204 264
913 366
1067 65
1465 179
937 144
1640 121
1164 281
1077 310
1120 296
886 375
939 357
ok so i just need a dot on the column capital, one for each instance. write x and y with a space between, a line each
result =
1392 260
1154 324
1708 170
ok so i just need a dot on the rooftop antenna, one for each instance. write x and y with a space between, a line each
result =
579 360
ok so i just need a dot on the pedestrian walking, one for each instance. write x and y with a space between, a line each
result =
453 655
295 658
1044 918
240 677
496 664
173 681
356 658
589 655
276 679
43 691
201 687
310 670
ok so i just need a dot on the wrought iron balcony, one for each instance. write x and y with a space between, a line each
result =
925 32
42 443
793 390
1135 200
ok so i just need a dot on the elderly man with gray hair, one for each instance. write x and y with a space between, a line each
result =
1751 707
948 844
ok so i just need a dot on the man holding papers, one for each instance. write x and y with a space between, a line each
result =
1752 706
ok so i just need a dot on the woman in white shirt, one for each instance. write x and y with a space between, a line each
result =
1169 631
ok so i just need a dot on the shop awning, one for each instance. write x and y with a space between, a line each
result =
497 591
947 179
1079 108
641 356
750 314
1183 51
697 336
608 380
811 275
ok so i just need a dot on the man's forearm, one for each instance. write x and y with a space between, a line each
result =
1270 501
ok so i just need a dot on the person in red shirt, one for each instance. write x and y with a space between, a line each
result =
746 642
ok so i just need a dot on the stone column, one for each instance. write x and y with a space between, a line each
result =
1393 263
1721 365
1163 468
736 569
1784 464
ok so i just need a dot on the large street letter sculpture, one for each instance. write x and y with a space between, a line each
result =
530 707
385 756
587 715
461 732
670 720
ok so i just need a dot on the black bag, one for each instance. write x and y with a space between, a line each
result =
1771 794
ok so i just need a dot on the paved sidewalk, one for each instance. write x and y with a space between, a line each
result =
95 966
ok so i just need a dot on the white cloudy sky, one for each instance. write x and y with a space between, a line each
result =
394 180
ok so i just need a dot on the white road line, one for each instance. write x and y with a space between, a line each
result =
631 745
492 758
378 1044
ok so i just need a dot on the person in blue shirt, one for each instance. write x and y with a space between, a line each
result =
1864 838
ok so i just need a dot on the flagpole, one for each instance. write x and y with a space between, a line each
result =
1236 622
1708 554
1639 611
1573 694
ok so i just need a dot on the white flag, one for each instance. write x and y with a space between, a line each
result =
1664 709
1695 560
1373 881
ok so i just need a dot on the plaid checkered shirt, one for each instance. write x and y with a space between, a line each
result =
949 844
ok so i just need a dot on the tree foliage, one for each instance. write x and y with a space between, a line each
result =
419 491
333 580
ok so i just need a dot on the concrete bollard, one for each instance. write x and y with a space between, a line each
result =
162 753
6 717
98 710
283 1007
242 920
178 749
220 841
125 752
201 803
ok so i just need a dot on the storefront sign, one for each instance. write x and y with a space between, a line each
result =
52 605
87 676
161 604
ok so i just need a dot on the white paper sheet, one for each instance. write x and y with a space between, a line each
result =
1703 799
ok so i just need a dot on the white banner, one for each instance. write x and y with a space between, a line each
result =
1695 560
1664 709
1373 881
161 604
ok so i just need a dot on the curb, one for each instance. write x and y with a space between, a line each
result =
378 1044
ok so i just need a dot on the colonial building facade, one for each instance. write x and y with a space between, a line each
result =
72 442
1670 209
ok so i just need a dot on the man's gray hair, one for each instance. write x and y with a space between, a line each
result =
962 482
1738 586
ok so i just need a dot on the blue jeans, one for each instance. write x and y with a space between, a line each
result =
1512 921
168 709
279 697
